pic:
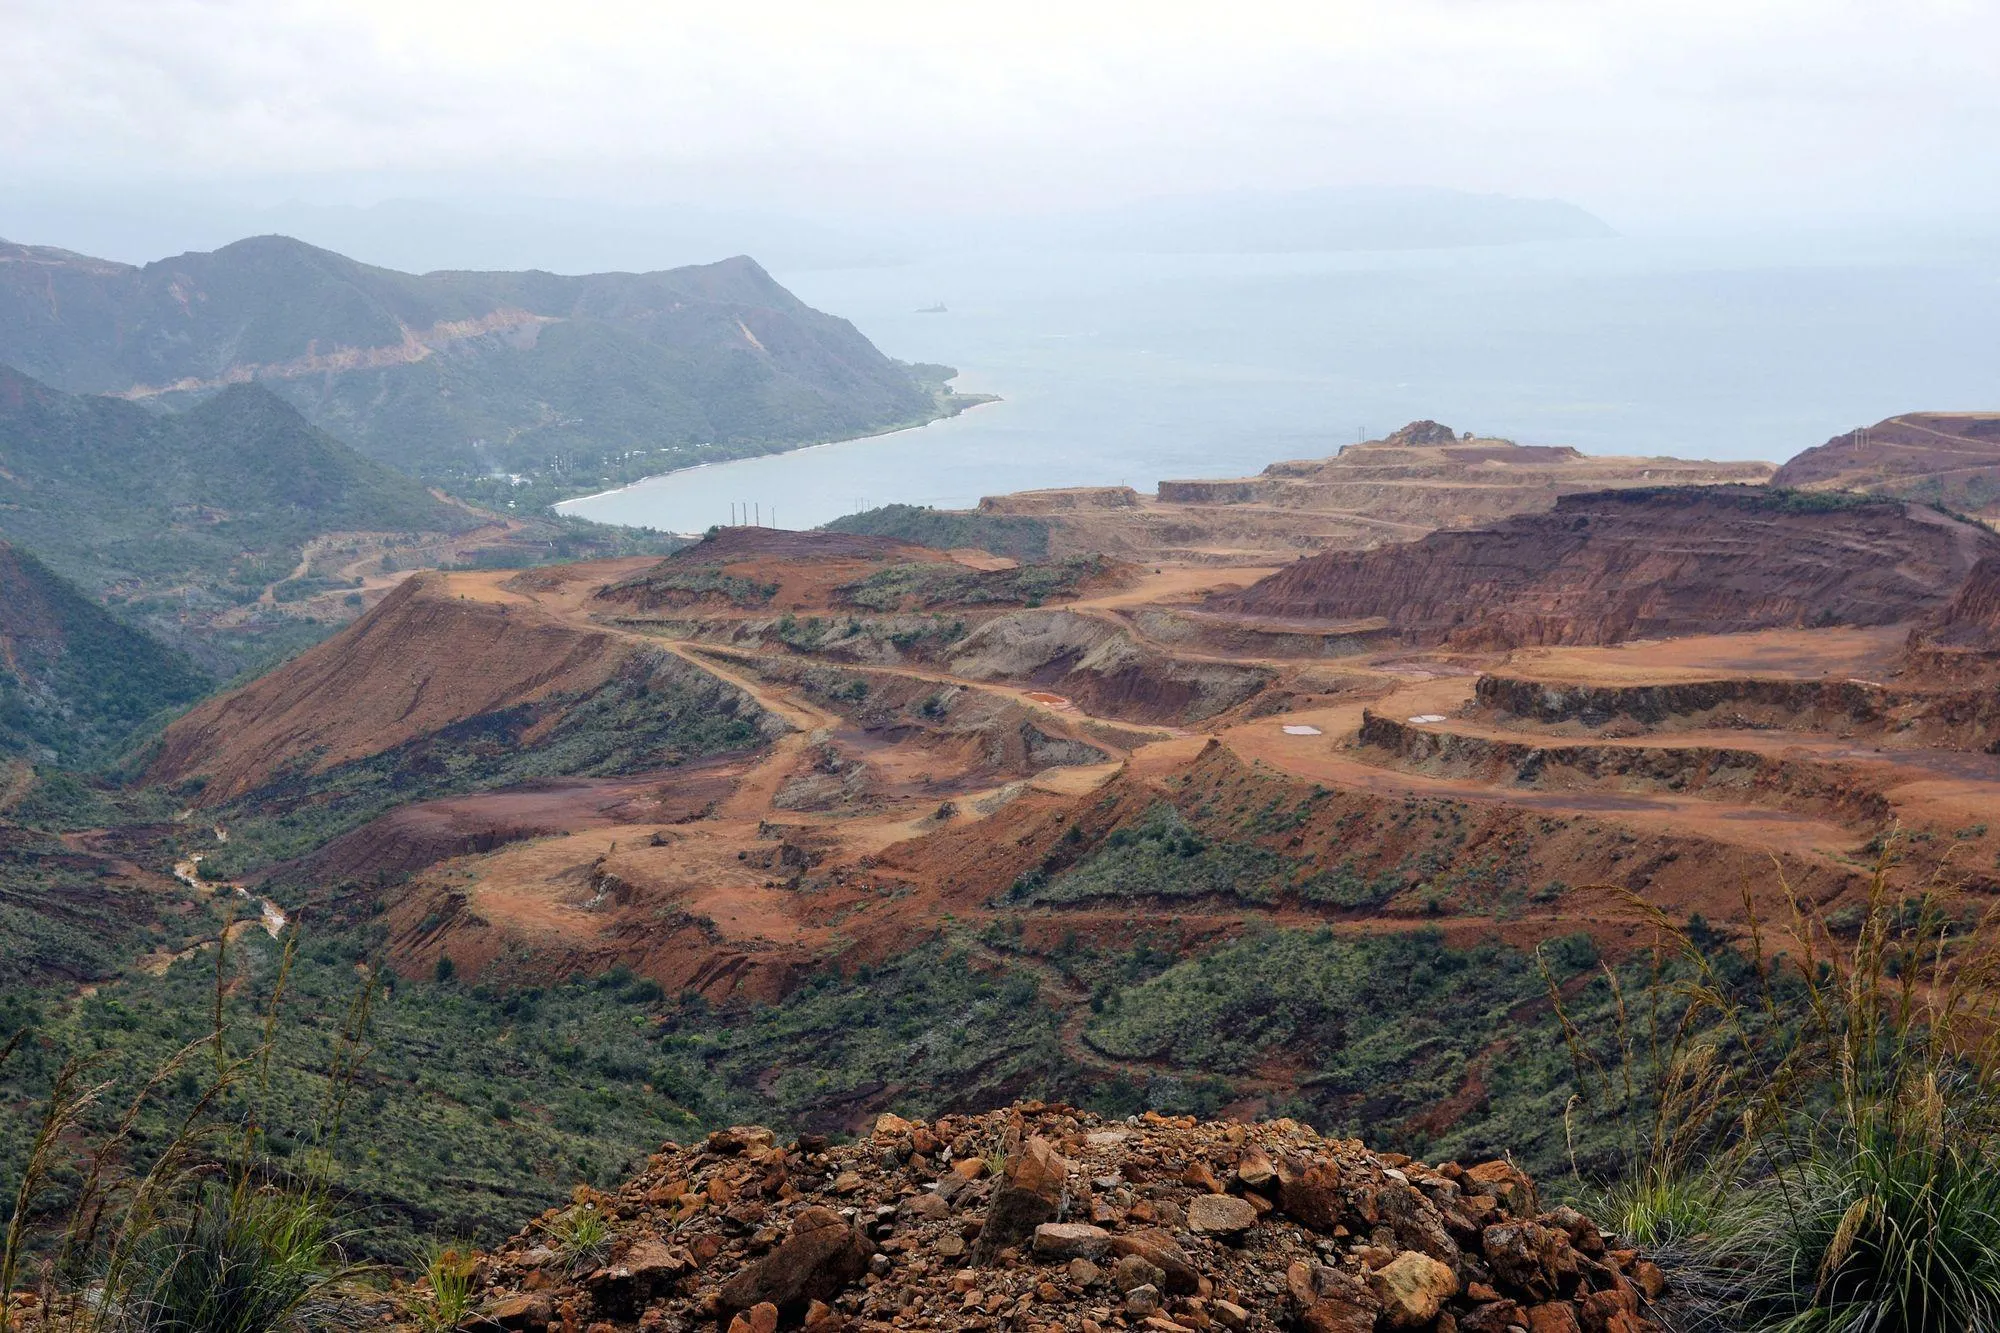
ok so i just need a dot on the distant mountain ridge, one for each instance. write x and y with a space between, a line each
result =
454 375
74 682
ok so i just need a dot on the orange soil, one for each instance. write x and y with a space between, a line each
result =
741 895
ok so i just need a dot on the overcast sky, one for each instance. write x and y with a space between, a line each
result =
1635 109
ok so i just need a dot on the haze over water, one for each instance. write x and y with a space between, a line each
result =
1126 369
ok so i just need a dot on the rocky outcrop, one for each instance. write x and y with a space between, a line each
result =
1155 1223
1973 618
1797 783
1947 717
1616 565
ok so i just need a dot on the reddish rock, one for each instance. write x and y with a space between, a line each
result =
1525 1256
1314 1193
1554 1317
822 1256
1493 1317
1597 1311
1159 1249
1506 1183
516 1314
760 1318
1030 1193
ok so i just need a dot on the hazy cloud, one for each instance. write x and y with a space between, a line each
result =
1628 106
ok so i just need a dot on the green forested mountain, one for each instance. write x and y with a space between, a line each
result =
455 375
74 682
127 499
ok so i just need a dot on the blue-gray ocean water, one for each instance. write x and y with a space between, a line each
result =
1129 369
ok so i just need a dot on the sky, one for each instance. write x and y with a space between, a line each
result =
1636 109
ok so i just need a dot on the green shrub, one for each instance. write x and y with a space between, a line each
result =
445 1300
229 1260
1816 1135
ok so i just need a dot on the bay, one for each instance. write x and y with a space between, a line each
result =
1126 369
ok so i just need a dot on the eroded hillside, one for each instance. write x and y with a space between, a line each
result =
1643 563
1080 781
1950 459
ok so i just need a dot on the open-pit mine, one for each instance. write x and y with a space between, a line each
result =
1632 707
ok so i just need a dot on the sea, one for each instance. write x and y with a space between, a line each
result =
1124 369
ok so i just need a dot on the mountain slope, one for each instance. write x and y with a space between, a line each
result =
1613 565
74 681
454 374
182 516
1942 458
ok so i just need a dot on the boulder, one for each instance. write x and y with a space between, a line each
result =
1493 1317
1313 1193
821 1257
649 1268
1159 1249
1255 1172
737 1138
1030 1193
1056 1242
1525 1257
759 1318
1412 1287
516 1314
1607 1311
1326 1300
1506 1183
1552 1317
1219 1215
1417 1222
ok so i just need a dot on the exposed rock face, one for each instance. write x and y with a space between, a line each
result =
1319 1234
1972 620
1947 458
401 672
1615 565
1426 432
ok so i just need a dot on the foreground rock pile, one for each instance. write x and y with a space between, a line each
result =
1042 1218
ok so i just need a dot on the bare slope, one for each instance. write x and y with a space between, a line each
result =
1942 458
1642 563
422 662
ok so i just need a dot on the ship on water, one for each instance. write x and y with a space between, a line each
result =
937 309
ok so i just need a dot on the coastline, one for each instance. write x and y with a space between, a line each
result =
983 399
